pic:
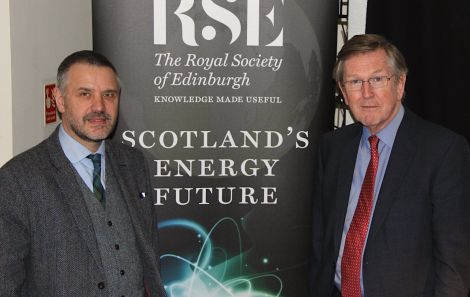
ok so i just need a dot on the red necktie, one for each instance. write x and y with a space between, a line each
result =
356 237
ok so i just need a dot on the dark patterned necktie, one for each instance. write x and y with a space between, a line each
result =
356 237
98 189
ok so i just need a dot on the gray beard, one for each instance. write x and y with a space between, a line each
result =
84 137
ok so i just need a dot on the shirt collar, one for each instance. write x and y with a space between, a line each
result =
387 134
75 151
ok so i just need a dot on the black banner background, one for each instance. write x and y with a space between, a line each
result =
434 40
237 221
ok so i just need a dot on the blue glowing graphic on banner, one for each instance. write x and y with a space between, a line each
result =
214 273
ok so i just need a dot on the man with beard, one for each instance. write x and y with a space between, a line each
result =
76 215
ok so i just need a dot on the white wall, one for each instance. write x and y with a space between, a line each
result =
6 132
42 33
357 17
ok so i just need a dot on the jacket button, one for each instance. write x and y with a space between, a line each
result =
101 285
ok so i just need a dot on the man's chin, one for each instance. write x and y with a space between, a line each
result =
94 137
98 137
98 133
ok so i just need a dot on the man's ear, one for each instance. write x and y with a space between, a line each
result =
401 86
343 92
59 99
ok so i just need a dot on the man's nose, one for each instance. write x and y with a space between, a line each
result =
98 103
367 90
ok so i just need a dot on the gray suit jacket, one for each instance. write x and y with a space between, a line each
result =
419 239
47 243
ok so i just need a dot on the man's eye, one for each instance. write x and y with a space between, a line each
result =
85 94
376 79
109 95
355 82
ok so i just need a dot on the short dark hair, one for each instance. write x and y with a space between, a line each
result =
82 57
365 43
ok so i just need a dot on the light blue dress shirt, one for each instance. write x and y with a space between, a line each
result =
77 155
386 139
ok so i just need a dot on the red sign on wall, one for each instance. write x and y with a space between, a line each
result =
50 108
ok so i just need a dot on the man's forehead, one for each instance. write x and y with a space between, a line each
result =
92 74
373 61
378 54
83 66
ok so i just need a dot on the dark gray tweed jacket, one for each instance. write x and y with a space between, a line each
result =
47 243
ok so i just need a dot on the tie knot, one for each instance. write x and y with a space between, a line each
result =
373 140
95 158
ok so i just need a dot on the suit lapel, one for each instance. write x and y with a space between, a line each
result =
64 175
345 176
403 151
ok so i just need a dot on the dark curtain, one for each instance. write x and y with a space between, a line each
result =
434 38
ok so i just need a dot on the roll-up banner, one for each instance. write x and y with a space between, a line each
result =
226 98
